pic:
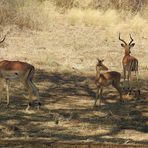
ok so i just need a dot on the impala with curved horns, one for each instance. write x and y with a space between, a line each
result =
18 71
130 63
106 79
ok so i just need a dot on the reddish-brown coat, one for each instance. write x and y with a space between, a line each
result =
15 65
106 79
130 63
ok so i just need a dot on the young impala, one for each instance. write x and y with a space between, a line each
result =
106 79
129 62
18 71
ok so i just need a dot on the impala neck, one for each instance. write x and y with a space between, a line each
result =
98 72
127 53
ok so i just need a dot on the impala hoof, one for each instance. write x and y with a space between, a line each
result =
28 107
122 101
139 92
39 105
95 106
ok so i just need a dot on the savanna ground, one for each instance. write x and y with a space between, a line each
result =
64 54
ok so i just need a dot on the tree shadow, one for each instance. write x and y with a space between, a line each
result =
70 96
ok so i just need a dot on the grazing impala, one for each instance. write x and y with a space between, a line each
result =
106 79
18 71
129 62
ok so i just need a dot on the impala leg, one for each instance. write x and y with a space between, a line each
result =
1 95
129 80
97 95
7 91
33 87
0 99
137 77
28 106
2 88
35 90
124 77
128 77
118 88
124 72
100 96
30 91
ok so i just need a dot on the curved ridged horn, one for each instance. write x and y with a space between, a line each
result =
131 40
122 40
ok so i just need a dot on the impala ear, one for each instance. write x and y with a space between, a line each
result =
122 45
102 60
98 59
132 45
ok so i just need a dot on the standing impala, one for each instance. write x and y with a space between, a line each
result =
18 71
130 63
106 79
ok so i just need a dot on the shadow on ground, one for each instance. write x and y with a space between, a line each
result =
67 100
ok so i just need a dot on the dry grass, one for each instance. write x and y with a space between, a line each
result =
110 19
37 14
63 47
92 17
30 14
126 5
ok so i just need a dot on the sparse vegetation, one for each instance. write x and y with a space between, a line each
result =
39 14
62 39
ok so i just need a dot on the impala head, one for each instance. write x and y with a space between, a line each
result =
100 66
126 46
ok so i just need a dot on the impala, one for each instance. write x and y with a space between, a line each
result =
18 71
106 79
130 63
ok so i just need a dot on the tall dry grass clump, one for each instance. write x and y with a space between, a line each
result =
133 6
34 14
6 12
40 14
92 17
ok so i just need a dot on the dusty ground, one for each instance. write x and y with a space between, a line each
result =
65 58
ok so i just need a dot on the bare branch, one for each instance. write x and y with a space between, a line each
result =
2 40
